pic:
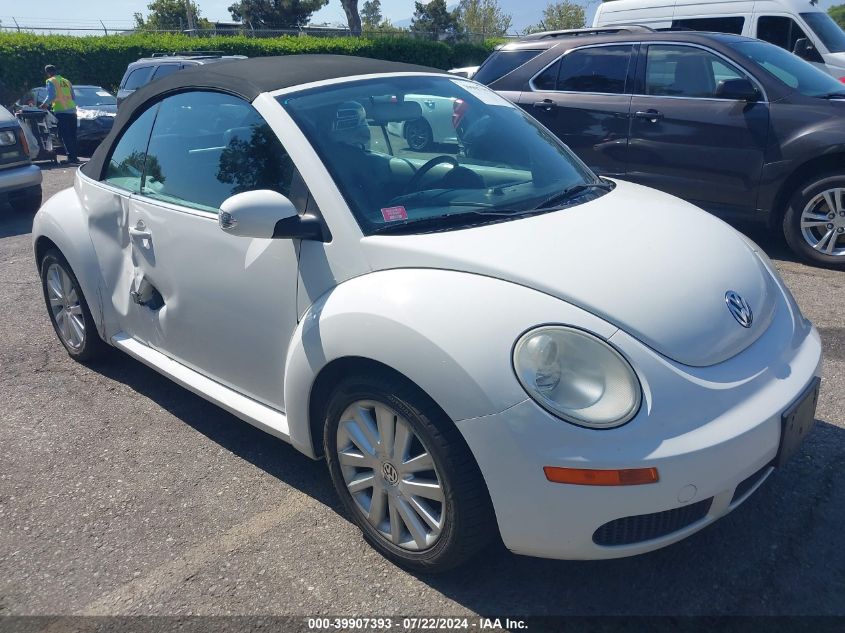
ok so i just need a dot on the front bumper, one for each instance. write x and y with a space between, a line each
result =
17 178
711 432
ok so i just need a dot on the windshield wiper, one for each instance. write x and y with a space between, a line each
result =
573 192
447 220
833 95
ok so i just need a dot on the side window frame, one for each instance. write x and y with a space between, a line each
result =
642 69
196 208
104 172
630 76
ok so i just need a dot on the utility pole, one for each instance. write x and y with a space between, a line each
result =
190 16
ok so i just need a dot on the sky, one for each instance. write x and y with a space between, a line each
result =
117 14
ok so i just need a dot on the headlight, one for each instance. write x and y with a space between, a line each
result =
577 377
8 137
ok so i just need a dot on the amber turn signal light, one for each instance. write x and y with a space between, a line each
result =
592 477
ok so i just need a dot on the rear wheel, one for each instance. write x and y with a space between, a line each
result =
814 223
418 134
405 474
68 310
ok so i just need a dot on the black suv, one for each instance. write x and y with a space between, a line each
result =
740 127
160 65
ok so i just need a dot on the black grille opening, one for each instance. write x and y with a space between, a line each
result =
748 483
645 527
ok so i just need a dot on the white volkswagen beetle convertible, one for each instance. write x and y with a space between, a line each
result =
479 343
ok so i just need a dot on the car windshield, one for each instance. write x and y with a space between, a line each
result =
92 96
430 153
828 31
501 63
791 69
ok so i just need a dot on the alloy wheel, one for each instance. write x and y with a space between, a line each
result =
65 307
391 475
823 222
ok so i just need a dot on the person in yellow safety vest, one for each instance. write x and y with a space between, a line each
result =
60 99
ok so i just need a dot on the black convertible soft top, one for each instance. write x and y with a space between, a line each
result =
246 78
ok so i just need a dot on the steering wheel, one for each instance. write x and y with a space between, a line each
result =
415 180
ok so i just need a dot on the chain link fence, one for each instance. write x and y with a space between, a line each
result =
76 28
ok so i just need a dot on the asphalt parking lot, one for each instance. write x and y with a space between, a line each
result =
122 493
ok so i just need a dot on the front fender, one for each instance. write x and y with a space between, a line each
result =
451 333
62 220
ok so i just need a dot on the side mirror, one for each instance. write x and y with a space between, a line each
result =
267 214
738 89
804 49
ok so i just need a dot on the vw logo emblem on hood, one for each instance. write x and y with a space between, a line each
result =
739 308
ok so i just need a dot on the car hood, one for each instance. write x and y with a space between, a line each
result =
651 264
6 116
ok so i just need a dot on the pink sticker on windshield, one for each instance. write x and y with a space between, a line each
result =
391 214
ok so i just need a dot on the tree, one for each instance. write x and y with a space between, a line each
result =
484 17
435 20
350 7
275 14
170 15
371 15
837 12
561 15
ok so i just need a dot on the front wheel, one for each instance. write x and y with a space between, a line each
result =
814 223
405 474
68 309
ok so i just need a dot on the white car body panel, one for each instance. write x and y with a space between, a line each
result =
445 309
662 312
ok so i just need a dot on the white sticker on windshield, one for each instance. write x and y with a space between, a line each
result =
482 93
103 93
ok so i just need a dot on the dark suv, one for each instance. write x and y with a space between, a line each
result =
740 127
160 65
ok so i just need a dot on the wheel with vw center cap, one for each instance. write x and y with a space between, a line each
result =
814 223
405 474
68 310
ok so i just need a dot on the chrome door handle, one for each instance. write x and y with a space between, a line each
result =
546 104
652 115
140 231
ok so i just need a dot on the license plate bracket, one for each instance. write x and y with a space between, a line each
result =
796 422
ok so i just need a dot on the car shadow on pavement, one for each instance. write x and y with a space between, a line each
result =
778 553
272 455
14 222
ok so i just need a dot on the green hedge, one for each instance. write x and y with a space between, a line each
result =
102 60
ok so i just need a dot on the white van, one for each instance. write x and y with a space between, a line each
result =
796 25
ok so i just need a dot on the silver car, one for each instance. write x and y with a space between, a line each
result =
20 180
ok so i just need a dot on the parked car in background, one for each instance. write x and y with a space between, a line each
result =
737 126
465 71
96 109
436 125
20 180
147 69
800 26
498 346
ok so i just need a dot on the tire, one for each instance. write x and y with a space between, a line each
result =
61 288
821 240
418 134
28 202
465 516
